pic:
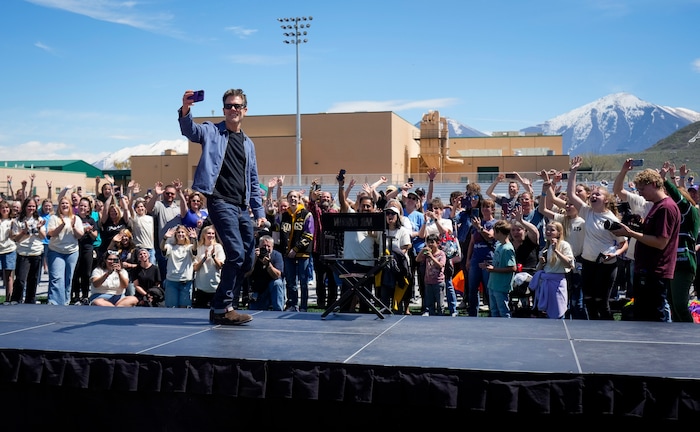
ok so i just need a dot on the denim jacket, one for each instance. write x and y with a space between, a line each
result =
214 139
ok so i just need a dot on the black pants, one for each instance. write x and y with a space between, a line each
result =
650 294
326 286
26 278
597 280
80 288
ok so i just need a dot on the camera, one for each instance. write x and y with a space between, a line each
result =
341 175
263 253
632 220
611 226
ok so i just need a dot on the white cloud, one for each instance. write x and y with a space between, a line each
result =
44 47
391 105
241 32
696 65
118 12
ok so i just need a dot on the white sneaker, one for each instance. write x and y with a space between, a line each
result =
425 314
455 314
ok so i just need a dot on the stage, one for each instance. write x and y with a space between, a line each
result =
169 369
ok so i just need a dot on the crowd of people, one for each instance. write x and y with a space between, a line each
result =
579 247
229 242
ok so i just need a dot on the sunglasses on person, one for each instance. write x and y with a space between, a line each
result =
236 106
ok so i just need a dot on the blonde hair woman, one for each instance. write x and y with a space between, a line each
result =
207 267
64 231
179 247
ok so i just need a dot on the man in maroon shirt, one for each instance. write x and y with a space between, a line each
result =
655 252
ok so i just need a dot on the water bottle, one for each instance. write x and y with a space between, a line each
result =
612 249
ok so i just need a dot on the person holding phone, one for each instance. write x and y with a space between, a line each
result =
227 175
507 203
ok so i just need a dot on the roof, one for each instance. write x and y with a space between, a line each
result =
72 165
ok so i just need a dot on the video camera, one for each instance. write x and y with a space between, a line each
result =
632 220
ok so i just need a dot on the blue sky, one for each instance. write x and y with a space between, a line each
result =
84 78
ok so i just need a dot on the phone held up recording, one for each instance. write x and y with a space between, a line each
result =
341 175
198 96
637 162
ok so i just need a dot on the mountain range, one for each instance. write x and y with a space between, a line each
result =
615 124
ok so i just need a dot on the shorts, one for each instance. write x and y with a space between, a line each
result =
112 298
8 261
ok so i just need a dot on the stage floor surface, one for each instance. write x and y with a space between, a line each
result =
667 350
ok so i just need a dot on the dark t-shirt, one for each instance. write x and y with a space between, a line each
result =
86 241
663 220
147 277
526 254
260 278
230 185
108 230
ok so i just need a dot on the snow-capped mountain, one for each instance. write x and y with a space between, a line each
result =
617 123
157 148
457 129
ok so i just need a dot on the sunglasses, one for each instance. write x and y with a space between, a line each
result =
236 106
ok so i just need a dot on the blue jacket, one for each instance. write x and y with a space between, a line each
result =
214 139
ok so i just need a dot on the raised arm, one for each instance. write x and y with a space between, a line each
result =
499 178
151 203
571 185
619 183
432 173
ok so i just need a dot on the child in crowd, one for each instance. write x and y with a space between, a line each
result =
435 260
501 271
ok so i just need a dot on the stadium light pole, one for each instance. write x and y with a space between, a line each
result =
296 35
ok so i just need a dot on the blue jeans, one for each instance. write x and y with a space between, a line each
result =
273 297
450 293
178 293
434 297
297 268
61 269
476 276
499 304
234 226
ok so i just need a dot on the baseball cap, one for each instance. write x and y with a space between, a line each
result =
412 193
391 188
392 209
420 192
693 187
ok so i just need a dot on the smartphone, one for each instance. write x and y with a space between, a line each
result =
465 202
317 187
341 175
475 212
80 189
637 162
198 96
410 179
565 176
511 176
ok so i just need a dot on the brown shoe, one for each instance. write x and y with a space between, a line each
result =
230 318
